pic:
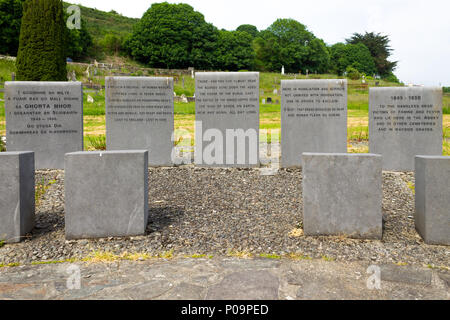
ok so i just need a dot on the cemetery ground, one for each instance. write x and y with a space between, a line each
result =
213 230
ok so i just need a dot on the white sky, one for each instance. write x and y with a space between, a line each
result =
419 29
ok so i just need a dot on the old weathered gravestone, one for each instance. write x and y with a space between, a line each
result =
432 187
140 115
342 195
44 117
313 118
106 193
227 119
16 195
405 122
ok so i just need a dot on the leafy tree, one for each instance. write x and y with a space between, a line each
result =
173 36
379 48
79 42
250 29
356 56
42 50
10 16
288 43
112 44
234 51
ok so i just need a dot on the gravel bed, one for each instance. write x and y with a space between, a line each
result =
211 211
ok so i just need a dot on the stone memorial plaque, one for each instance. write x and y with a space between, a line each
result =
140 115
313 118
405 122
17 195
227 119
342 195
432 201
106 193
44 117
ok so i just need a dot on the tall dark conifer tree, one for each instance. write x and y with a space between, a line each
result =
41 55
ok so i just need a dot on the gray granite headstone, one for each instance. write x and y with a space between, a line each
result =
313 118
405 122
342 195
16 195
44 117
140 115
227 119
432 188
106 193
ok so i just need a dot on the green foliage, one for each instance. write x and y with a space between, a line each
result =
100 23
234 51
288 43
250 29
112 44
97 142
79 42
353 73
173 36
391 78
379 48
6 68
42 47
356 56
10 15
446 89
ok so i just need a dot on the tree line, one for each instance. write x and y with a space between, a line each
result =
176 36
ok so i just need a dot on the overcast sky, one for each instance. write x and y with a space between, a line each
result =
419 29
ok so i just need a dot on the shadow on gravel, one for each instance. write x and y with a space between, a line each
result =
160 218
46 223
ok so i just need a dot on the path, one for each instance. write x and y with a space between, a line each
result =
221 278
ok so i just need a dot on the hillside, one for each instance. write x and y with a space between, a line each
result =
100 23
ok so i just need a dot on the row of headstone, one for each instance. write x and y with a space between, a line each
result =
47 118
342 196
106 195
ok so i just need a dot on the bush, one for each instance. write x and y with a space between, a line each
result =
353 74
392 78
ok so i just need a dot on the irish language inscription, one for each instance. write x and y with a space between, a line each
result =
44 117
